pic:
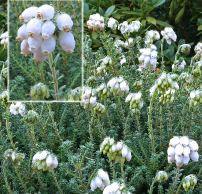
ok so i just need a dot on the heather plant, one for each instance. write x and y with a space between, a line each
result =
138 129
45 48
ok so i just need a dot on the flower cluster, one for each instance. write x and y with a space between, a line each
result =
164 83
168 96
118 86
151 36
134 26
11 155
181 149
17 108
195 98
198 48
99 109
4 98
189 182
37 33
101 180
148 57
89 99
4 39
185 48
31 117
186 77
112 23
95 22
75 94
135 100
179 65
168 34
39 91
118 151
161 176
138 85
103 91
116 188
44 160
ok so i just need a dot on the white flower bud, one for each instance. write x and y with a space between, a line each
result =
28 13
34 27
35 43
48 46
119 146
25 47
171 151
64 22
124 151
129 156
98 181
193 145
55 162
39 56
48 28
184 141
171 159
186 151
179 150
186 160
93 185
49 160
67 42
22 33
174 141
194 156
45 12
42 155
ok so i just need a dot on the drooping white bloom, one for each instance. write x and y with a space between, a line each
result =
134 26
168 34
151 36
67 42
181 150
124 151
25 47
64 22
95 22
35 43
4 38
89 100
17 108
48 46
39 56
112 23
45 12
28 13
192 94
101 180
44 160
22 33
123 27
198 48
34 27
116 188
48 28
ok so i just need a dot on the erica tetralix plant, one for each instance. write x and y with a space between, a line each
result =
37 34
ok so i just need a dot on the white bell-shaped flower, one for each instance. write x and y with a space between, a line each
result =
171 151
194 156
48 46
49 160
35 43
22 33
171 158
93 185
34 27
174 141
45 12
98 181
25 47
43 155
64 22
48 28
67 42
28 13
179 149
124 151
39 56
186 160
186 151
184 141
193 146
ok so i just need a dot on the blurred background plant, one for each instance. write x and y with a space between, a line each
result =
24 73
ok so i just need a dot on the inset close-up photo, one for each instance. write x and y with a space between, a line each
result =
45 50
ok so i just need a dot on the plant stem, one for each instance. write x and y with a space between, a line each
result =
55 126
7 127
54 76
113 170
124 132
182 126
91 137
162 42
177 174
161 127
151 187
77 116
107 114
5 178
122 172
170 122
19 176
33 134
57 182
192 120
119 100
150 125
179 186
138 124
